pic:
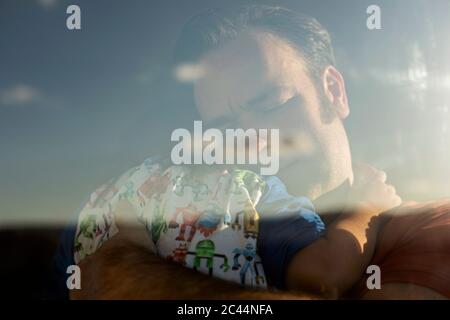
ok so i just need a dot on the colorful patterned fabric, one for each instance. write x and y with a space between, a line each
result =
208 221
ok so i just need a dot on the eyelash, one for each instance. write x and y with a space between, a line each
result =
279 107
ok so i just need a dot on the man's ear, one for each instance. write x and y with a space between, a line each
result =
334 87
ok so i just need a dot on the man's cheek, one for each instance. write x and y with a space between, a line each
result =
295 145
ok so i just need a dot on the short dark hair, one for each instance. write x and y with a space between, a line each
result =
214 27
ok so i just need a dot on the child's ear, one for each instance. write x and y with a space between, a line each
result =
334 88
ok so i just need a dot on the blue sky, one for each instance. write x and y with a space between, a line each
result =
79 107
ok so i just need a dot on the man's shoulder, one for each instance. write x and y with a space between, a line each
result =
414 207
417 215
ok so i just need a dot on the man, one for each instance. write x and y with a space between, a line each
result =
266 67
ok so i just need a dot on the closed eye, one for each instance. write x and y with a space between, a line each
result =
271 109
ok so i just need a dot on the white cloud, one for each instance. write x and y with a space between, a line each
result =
20 94
47 4
189 72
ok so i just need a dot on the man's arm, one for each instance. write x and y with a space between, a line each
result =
124 268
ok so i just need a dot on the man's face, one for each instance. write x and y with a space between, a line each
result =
260 81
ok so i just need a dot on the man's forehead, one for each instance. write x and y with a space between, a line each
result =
255 48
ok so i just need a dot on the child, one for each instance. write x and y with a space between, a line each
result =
232 224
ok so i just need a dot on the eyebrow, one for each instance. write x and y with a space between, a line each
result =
220 122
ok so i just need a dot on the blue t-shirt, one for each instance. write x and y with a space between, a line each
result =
284 231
